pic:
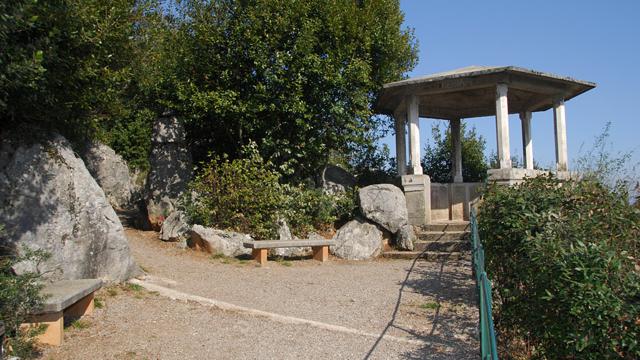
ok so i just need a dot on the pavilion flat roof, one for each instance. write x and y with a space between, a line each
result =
470 91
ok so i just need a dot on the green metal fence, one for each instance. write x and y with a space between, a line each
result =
488 348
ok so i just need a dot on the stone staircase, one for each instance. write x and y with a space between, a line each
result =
437 241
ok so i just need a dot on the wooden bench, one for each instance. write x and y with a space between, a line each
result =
260 248
67 299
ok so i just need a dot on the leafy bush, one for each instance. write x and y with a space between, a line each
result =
564 258
245 195
19 296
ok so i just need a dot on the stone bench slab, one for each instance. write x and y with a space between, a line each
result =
274 244
63 294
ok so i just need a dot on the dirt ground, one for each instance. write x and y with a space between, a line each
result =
425 310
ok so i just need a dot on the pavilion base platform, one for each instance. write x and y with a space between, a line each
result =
513 176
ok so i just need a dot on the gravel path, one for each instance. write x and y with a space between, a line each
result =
429 303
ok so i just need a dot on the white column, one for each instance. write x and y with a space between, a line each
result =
527 143
560 127
401 141
414 134
502 126
456 150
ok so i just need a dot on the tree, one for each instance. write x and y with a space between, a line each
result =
437 158
298 77
64 64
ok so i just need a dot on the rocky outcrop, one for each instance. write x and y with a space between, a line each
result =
50 201
111 172
405 238
334 179
357 240
385 205
215 241
170 169
175 228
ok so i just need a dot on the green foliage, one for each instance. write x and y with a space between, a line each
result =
373 165
437 158
297 76
245 195
19 296
64 63
565 263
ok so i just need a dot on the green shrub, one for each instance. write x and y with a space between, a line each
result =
245 195
564 260
19 296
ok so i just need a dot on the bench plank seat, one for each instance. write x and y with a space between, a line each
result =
63 294
275 244
320 248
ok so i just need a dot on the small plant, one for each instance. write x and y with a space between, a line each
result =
98 303
218 256
134 287
432 305
19 296
112 291
80 324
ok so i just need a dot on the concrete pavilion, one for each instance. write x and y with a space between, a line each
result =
469 92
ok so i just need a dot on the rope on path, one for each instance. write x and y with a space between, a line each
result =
284 319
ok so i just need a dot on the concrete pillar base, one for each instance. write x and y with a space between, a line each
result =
417 191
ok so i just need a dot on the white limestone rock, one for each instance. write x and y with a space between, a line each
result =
175 228
357 240
405 238
385 205
50 201
111 172
214 241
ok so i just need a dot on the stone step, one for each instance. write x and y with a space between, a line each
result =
427 255
442 236
443 246
447 226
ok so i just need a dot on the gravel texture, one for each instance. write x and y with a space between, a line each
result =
431 302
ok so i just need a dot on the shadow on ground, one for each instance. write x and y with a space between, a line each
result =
452 335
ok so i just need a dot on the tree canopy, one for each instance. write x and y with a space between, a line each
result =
296 76
437 158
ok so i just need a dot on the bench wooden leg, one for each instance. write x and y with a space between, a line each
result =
260 255
54 333
83 307
320 253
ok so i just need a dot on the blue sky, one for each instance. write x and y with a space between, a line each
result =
597 41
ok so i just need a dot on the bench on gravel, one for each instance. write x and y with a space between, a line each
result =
66 299
260 248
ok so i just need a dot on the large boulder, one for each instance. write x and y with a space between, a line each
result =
357 240
50 201
385 205
405 238
334 179
170 171
111 172
215 241
175 228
